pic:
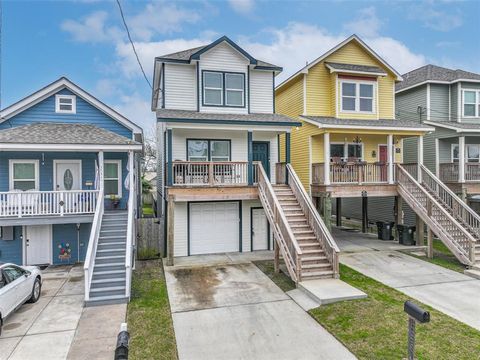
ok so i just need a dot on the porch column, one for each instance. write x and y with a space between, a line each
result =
390 158
437 158
170 230
326 158
250 157
100 169
419 158
169 158
461 159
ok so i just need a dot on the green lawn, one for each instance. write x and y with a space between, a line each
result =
442 257
149 319
376 327
282 281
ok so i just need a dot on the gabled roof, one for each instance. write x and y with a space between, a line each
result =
59 134
434 74
355 69
353 37
186 56
56 86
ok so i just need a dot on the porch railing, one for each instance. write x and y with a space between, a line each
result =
38 203
449 172
351 173
193 173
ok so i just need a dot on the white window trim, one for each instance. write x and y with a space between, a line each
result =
452 146
65 161
357 96
11 163
345 149
235 90
74 104
120 176
213 88
476 103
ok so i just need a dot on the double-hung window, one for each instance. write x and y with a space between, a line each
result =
472 153
208 150
346 152
471 103
66 104
357 96
23 175
223 89
112 178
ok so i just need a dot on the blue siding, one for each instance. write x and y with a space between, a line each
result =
64 234
11 250
124 158
86 113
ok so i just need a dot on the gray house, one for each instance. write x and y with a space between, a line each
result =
448 100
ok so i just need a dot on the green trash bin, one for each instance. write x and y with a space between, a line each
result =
384 230
406 234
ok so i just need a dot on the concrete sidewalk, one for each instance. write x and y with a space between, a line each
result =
450 292
234 311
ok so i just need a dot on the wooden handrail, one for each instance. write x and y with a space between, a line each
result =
313 219
449 237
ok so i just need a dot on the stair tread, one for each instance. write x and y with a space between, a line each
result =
108 272
110 257
315 266
101 281
107 297
110 264
107 250
108 288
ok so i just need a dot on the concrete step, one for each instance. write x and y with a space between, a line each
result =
474 273
106 300
328 290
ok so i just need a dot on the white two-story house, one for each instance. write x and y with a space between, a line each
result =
218 135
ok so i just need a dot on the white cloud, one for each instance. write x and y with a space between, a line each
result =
242 6
291 47
136 108
428 13
365 24
92 28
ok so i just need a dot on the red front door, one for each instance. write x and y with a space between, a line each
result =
382 157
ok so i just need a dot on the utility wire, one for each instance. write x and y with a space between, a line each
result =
133 45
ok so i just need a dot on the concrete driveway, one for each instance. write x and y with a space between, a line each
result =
58 326
234 311
448 291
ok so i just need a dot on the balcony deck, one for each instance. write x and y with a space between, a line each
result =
352 180
470 183
42 207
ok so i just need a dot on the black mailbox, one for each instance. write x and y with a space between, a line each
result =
416 312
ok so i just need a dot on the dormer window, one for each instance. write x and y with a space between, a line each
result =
223 89
357 96
65 104
471 103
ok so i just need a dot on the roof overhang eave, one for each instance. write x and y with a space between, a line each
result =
70 147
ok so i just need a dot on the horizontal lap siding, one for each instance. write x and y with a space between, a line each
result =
64 234
454 101
224 58
271 138
466 86
261 93
180 87
11 250
439 102
44 111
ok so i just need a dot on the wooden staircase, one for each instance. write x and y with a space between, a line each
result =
314 263
449 218
301 237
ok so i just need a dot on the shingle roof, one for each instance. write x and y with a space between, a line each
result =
184 115
356 123
62 133
356 68
459 127
434 73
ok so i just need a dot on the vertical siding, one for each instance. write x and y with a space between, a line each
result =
11 250
67 234
224 58
261 91
44 111
180 87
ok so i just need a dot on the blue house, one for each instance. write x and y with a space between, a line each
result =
69 185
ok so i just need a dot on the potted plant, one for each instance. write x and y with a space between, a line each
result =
114 200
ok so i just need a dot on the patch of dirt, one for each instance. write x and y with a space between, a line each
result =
11 326
199 283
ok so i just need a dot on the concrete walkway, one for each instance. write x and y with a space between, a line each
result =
450 292
58 326
234 311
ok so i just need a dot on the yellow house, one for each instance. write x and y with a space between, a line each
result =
349 139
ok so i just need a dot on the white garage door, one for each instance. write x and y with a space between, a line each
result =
214 227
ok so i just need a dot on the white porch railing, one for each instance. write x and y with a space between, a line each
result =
351 173
92 245
449 172
38 203
131 236
210 173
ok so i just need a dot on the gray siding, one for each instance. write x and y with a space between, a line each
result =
438 102
475 86
407 102
454 99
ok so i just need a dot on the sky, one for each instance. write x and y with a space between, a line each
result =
85 40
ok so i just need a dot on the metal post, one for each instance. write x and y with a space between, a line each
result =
339 211
411 338
364 211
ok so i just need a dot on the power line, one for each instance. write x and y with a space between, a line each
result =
133 45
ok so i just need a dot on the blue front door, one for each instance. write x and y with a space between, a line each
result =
261 153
